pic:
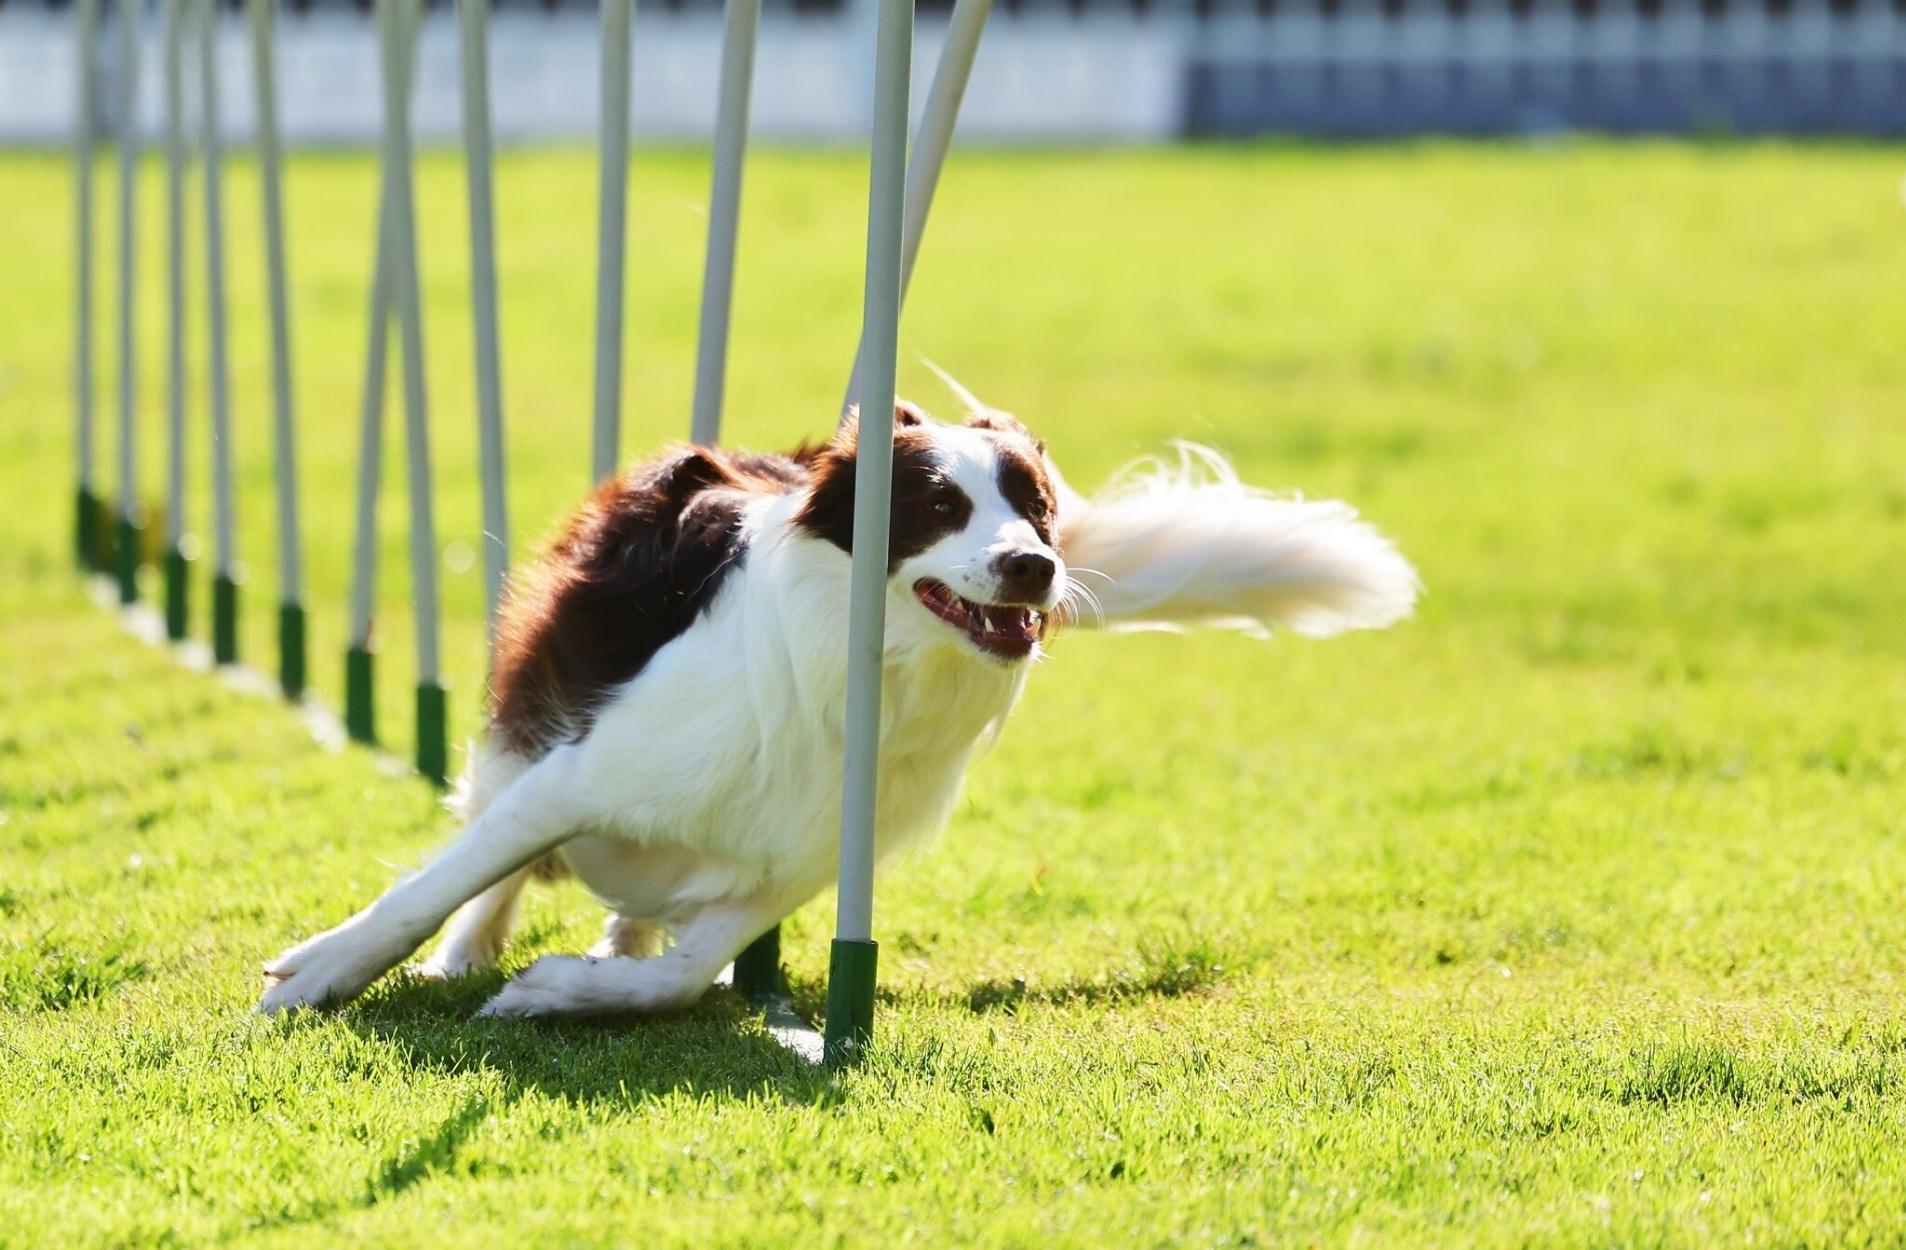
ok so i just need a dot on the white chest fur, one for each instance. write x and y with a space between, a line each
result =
717 770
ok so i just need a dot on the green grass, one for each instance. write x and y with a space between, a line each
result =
1572 912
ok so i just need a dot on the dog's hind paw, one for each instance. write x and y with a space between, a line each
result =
552 986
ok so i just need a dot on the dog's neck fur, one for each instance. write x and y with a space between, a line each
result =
940 701
936 692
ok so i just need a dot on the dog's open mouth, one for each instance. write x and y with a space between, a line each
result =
1005 630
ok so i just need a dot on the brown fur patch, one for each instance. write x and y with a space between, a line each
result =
926 507
628 573
1027 486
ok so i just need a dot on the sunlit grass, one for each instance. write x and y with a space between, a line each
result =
1570 912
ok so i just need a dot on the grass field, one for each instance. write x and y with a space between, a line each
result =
1572 912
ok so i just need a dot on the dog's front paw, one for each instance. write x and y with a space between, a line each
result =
334 966
554 985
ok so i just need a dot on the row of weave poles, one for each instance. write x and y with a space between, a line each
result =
110 536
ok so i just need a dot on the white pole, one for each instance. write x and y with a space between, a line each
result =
618 17
175 271
395 23
128 558
177 571
371 407
399 26
724 216
224 520
360 714
935 136
291 629
851 962
475 15
941 114
370 435
224 524
84 137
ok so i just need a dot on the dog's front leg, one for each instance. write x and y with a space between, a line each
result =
534 814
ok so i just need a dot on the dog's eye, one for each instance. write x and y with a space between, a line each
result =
1038 509
945 506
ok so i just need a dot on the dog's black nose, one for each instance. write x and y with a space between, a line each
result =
1025 575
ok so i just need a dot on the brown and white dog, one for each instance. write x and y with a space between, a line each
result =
668 684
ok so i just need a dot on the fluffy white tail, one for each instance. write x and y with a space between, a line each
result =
1166 545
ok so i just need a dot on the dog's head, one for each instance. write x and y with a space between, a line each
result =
973 555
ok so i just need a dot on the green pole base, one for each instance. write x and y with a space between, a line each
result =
758 969
291 650
89 531
850 999
433 752
224 619
360 709
104 518
178 588
126 544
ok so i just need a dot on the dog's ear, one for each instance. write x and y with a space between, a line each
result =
1004 423
998 422
907 415
828 510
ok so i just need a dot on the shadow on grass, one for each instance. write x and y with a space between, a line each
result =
606 1066
1165 964
1010 996
1173 980
717 1048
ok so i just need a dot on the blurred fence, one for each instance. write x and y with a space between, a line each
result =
1127 70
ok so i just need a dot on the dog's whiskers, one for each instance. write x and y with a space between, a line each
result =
1077 594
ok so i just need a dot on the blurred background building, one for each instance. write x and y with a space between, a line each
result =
1084 70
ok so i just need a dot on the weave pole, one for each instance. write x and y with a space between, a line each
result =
360 697
935 136
291 614
724 216
474 20
218 380
757 971
432 754
87 536
612 207
853 959
177 582
126 543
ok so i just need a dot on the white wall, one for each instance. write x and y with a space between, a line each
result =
1046 78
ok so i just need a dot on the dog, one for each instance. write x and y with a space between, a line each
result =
667 689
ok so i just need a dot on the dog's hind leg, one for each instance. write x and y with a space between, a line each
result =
528 818
564 984
475 936
628 937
